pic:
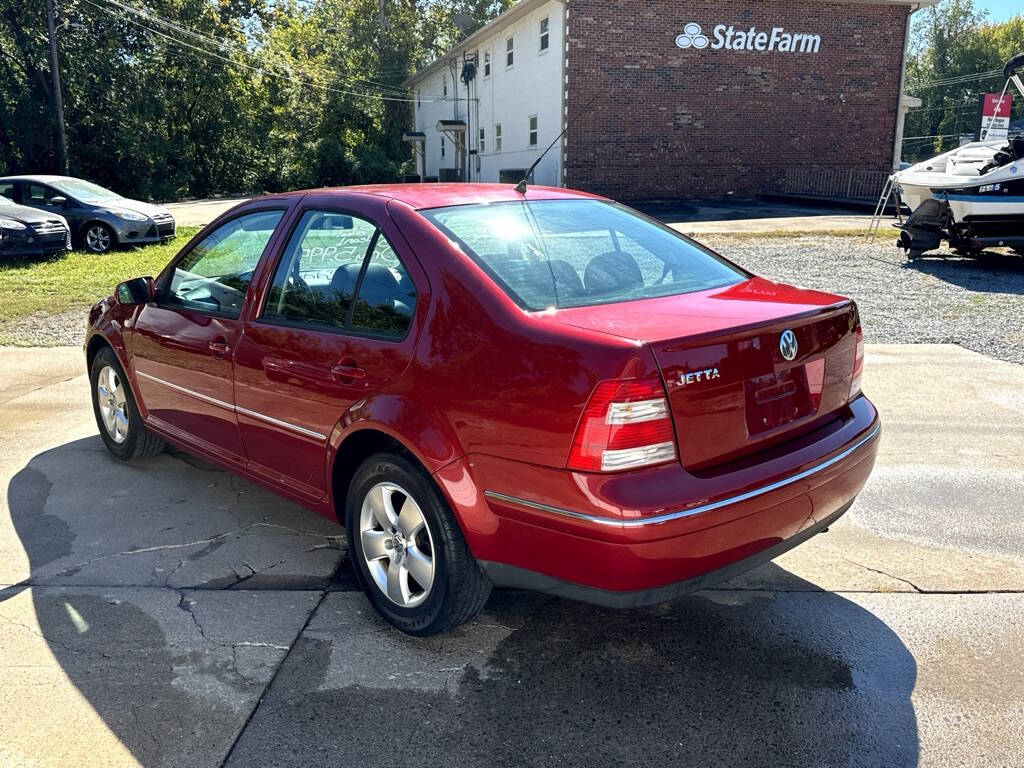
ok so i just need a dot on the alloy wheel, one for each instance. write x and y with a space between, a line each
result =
97 239
113 404
397 545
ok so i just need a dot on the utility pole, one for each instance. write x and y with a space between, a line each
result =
58 99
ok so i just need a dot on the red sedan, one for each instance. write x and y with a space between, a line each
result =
546 391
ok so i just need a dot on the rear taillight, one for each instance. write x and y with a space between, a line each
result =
625 425
858 364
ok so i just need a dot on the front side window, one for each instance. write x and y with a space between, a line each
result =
482 141
487 64
543 34
497 137
215 275
510 52
38 194
533 130
340 273
573 253
442 146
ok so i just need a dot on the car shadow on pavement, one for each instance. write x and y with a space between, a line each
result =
792 676
989 272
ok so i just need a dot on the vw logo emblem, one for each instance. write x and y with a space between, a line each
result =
787 344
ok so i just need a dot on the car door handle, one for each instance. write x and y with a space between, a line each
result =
348 371
220 348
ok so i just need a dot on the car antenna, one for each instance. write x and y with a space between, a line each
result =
521 186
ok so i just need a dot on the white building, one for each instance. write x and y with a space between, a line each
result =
510 110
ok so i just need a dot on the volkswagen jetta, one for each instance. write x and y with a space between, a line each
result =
544 390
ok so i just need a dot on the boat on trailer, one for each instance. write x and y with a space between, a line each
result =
972 197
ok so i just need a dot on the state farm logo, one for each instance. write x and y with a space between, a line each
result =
692 37
732 39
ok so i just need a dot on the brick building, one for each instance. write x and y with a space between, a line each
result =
674 98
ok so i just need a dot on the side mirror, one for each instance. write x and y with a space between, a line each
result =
59 201
141 290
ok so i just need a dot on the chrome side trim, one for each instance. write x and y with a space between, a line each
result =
189 392
279 423
693 511
236 408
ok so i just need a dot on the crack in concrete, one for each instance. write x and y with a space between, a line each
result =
908 582
54 641
329 538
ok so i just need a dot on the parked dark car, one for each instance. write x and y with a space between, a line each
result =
28 232
545 391
99 219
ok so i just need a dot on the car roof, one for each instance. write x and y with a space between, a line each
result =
37 177
422 196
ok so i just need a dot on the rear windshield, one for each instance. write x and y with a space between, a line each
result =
577 253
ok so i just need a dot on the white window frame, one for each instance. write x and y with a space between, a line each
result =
497 138
544 41
510 50
533 130
482 142
487 65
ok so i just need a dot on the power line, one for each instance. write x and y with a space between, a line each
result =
241 50
258 69
956 80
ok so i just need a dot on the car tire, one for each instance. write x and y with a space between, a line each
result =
98 238
117 414
391 542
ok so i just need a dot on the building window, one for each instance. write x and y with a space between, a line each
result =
481 148
418 102
510 52
533 130
444 86
487 64
497 137
543 34
442 147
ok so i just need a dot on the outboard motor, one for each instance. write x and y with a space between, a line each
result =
924 228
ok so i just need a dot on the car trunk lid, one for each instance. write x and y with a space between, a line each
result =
731 389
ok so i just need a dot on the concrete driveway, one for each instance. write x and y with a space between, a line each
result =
171 615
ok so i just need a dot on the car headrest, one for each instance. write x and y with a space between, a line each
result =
612 271
344 280
567 279
380 286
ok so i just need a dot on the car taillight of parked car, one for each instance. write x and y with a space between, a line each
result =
858 364
625 425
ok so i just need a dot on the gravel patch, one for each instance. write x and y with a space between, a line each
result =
64 329
977 303
940 298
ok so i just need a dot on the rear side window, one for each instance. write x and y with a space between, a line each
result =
316 278
386 294
340 273
574 253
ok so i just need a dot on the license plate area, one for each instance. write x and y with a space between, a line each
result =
776 399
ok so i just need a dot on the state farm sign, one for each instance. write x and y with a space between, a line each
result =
727 37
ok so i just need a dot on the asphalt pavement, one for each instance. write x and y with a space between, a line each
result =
168 614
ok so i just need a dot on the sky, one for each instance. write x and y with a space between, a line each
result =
1000 10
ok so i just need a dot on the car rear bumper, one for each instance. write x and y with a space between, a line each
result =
647 536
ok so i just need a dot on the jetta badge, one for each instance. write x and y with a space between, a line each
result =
787 344
695 376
